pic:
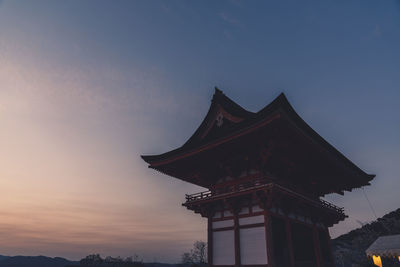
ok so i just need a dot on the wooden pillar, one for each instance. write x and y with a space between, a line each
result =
332 258
317 247
210 242
237 238
289 241
268 238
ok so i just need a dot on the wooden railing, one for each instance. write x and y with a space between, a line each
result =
318 201
247 185
330 205
254 184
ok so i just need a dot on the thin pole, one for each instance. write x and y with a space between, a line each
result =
370 205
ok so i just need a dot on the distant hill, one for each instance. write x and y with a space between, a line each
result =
157 264
3 257
349 249
148 264
42 261
34 261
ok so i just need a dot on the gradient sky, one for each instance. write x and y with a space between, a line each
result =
88 86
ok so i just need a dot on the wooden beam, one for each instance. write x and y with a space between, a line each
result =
268 239
210 242
289 241
317 248
332 258
237 238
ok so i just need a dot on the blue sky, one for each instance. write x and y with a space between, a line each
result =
88 86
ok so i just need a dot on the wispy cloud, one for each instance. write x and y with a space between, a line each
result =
79 228
227 34
230 20
377 31
237 3
55 124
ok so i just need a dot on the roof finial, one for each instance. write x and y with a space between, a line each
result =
217 91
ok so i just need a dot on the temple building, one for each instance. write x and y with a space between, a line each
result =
265 174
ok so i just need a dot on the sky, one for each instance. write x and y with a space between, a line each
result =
86 87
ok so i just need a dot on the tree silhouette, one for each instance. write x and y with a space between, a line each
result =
197 255
95 260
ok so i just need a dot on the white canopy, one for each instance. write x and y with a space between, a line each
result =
385 246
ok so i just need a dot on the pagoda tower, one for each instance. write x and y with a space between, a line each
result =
265 174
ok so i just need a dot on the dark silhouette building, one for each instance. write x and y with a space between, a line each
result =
265 173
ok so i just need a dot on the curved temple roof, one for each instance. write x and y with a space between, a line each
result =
227 121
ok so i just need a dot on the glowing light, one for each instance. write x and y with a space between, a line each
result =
377 260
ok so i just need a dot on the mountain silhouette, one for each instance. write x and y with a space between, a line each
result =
34 261
349 249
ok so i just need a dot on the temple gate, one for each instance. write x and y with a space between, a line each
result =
265 173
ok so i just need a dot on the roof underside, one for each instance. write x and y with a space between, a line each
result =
295 149
385 246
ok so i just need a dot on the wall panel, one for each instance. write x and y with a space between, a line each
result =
221 224
251 220
253 247
223 248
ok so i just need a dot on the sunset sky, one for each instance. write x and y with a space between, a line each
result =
86 87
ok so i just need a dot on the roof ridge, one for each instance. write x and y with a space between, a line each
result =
228 104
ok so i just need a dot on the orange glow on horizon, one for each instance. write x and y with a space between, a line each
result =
66 188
